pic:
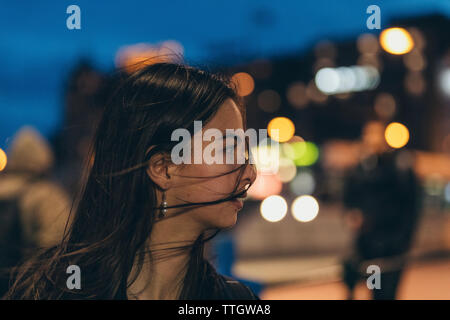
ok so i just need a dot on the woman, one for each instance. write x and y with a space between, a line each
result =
141 221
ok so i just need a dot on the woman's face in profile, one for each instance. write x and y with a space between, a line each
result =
209 182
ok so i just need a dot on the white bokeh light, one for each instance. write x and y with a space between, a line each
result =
327 80
266 156
273 208
444 81
347 79
305 208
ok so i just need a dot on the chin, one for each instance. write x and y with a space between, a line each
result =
225 218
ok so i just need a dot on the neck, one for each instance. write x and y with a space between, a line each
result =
165 265
161 280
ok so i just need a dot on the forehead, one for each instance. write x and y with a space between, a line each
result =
227 117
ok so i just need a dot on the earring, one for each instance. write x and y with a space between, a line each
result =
163 206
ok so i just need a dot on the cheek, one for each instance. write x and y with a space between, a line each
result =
226 179
209 187
221 215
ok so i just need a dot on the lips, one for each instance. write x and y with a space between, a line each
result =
238 202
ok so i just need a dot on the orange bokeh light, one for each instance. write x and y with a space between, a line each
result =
244 83
396 135
3 160
285 127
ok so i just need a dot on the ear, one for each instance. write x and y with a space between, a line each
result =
158 171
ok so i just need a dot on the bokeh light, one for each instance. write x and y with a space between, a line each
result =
385 105
295 139
137 56
266 156
286 128
273 208
369 59
367 43
396 41
303 183
293 150
3 159
305 208
415 61
309 156
444 81
323 63
171 47
327 80
286 170
296 95
418 38
325 49
346 79
314 94
244 83
303 153
265 185
396 135
415 83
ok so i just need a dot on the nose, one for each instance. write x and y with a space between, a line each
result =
250 173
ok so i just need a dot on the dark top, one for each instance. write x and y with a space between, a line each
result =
228 288
234 290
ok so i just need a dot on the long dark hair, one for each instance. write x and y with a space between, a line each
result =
115 210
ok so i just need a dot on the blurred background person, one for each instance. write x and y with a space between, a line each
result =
84 91
382 194
33 209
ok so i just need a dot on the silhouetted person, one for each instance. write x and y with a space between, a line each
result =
84 94
33 209
384 192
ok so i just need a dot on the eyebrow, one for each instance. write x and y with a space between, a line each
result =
231 136
228 135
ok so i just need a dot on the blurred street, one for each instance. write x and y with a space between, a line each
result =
318 276
421 281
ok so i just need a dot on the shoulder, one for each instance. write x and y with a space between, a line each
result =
235 289
228 288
